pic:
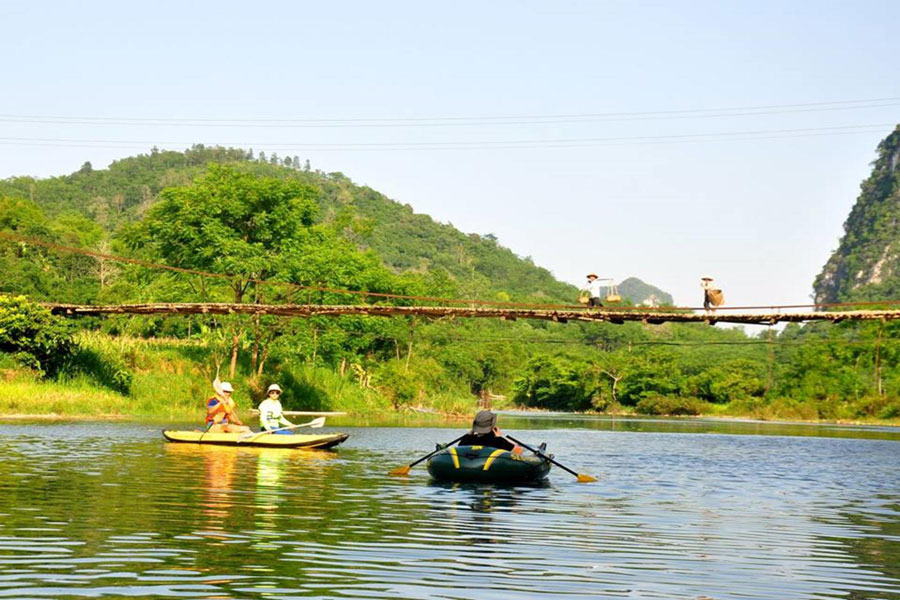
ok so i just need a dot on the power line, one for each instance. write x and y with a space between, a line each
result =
13 237
231 277
444 121
618 343
758 134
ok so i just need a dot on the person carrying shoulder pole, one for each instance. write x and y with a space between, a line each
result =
593 287
271 415
712 295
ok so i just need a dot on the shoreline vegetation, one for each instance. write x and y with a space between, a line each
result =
25 396
54 401
224 225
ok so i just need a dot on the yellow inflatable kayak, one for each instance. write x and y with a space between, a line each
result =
269 440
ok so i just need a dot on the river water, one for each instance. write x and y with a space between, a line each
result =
682 509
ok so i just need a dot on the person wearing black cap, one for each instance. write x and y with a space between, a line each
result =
486 433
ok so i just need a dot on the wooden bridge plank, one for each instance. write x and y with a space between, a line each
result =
561 316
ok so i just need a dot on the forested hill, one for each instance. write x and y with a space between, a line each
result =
274 219
640 292
402 239
866 265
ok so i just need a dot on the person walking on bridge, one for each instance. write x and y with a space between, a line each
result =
593 287
712 295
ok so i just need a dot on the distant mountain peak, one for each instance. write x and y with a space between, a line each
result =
644 293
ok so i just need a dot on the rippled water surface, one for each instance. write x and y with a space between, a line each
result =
681 510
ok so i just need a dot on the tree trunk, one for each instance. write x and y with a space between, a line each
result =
879 388
262 360
315 346
234 354
409 345
615 383
771 365
254 356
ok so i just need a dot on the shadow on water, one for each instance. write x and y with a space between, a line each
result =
634 424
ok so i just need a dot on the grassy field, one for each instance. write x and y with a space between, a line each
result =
171 379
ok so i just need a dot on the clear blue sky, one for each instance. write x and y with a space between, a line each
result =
760 212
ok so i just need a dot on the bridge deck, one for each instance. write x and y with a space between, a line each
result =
444 312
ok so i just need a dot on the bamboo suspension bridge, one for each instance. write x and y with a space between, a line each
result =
559 315
394 305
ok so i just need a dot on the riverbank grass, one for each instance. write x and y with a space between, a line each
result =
25 396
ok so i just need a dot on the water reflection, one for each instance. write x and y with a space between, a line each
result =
93 510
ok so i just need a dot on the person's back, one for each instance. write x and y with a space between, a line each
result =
484 432
491 440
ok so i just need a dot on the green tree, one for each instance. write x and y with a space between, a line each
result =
228 222
34 337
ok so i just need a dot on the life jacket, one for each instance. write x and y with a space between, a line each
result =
214 407
270 414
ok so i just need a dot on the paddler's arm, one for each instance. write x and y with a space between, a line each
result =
232 414
217 411
516 449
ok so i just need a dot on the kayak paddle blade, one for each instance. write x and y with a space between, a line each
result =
585 478
400 471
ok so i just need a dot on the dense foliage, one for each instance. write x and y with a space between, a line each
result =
32 336
274 220
866 264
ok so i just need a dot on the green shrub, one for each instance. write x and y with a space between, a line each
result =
107 369
670 405
33 336
401 386
891 411
555 383
603 402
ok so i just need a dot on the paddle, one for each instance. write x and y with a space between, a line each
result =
581 478
249 437
404 470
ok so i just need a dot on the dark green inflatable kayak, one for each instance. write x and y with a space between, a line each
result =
483 464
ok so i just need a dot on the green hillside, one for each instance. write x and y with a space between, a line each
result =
866 264
403 240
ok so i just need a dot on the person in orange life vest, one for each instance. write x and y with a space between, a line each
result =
221 416
486 433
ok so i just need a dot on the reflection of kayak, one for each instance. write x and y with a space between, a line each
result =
271 440
483 464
